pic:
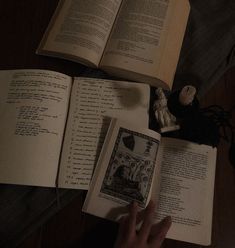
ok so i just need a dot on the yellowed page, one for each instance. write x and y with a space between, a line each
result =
93 102
174 40
33 109
187 189
139 42
124 172
79 30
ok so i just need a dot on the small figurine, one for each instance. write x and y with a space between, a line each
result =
165 119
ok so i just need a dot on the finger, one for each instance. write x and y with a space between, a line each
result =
131 224
162 225
122 233
147 223
140 216
122 224
122 229
159 231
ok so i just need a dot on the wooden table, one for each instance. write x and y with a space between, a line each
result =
22 24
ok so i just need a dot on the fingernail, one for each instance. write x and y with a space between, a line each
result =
167 220
134 204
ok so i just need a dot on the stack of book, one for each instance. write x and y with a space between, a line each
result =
57 130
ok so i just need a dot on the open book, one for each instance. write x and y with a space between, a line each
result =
133 39
137 164
52 126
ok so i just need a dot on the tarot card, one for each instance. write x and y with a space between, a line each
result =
131 167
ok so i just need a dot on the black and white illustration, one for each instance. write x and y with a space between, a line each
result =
131 167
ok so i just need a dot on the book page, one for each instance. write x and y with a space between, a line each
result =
124 172
93 103
187 189
79 30
33 110
139 40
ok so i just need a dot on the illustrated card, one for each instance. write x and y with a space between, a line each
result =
131 167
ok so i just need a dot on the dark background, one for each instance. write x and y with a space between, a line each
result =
33 217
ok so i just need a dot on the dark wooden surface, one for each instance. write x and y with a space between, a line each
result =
22 24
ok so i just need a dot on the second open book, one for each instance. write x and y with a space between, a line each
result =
133 39
136 164
53 125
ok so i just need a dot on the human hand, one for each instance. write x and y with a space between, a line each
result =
148 236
